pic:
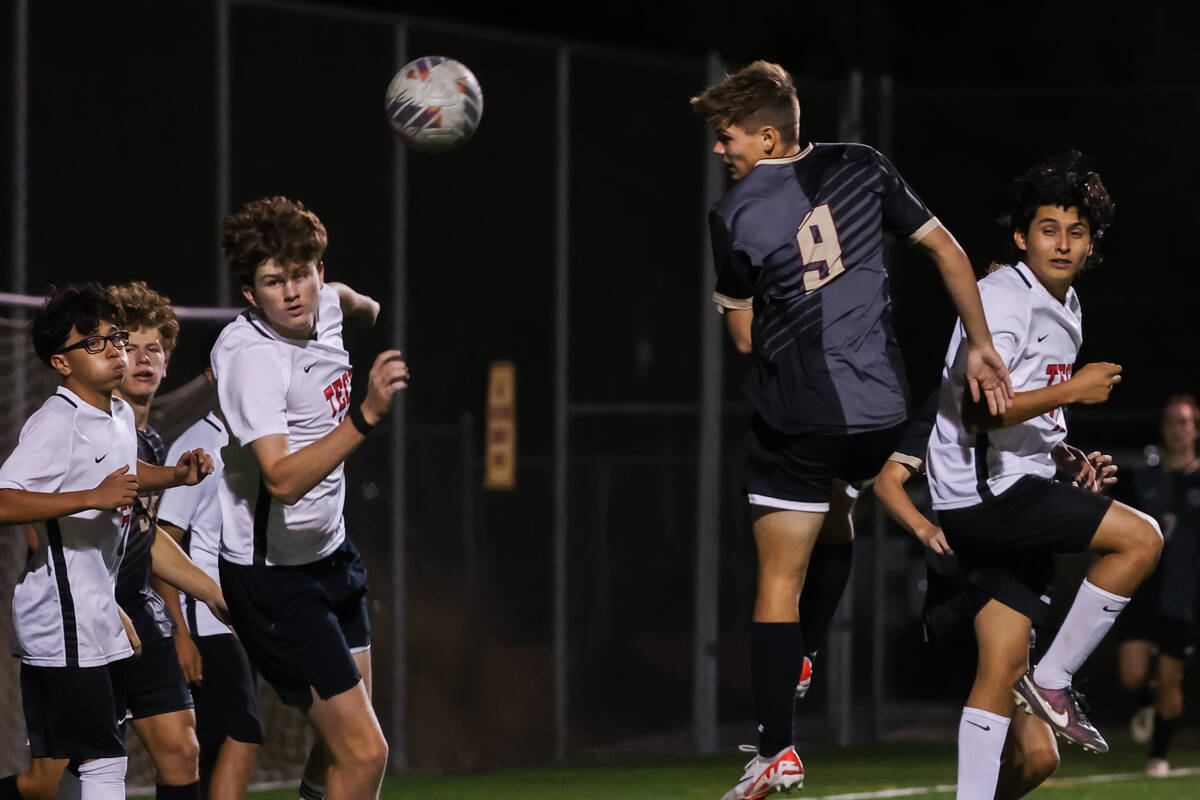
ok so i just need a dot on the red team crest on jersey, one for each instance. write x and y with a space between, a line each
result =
1058 373
338 395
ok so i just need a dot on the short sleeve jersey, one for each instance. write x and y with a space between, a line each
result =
272 385
1173 499
800 240
135 590
64 608
196 510
1038 337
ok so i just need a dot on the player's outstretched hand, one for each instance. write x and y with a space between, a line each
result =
118 488
389 374
1076 466
933 538
1106 470
189 658
193 466
987 376
1095 382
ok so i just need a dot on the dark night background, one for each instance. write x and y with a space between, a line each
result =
122 186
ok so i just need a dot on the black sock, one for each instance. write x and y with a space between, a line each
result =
1164 732
8 788
189 791
828 571
776 653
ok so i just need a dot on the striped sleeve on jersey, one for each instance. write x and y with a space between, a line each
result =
903 212
914 441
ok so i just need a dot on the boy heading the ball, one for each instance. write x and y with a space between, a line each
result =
798 247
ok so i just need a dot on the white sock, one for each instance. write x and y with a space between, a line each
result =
103 779
1092 614
310 790
981 737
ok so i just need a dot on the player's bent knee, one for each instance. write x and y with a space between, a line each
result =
1041 762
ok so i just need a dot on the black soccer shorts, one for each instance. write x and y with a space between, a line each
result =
796 471
1142 621
227 697
1006 544
75 712
155 683
301 624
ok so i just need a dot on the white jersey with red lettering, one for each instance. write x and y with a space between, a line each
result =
196 510
1038 337
272 385
64 607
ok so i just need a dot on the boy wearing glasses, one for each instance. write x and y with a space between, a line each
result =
74 475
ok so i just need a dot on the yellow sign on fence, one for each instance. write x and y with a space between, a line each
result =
501 469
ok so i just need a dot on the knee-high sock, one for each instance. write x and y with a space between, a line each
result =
310 790
1164 732
829 569
776 654
1091 615
981 737
103 779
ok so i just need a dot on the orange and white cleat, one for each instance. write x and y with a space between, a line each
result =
781 772
805 678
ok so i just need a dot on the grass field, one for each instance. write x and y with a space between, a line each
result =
891 770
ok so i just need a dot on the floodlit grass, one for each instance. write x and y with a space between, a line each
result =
852 770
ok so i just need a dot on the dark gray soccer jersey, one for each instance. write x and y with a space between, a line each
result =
800 240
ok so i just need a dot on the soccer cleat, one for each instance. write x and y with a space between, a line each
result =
805 678
1141 725
781 772
1158 768
1063 709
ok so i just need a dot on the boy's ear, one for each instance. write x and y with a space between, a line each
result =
1019 239
60 363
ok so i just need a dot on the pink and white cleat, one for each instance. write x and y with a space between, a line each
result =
806 672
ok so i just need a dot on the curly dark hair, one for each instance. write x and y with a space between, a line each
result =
760 94
141 308
271 228
1066 180
82 308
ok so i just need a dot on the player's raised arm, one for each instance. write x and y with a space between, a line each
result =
289 476
987 374
19 506
356 306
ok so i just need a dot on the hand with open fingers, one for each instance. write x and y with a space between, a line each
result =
193 467
389 374
987 377
1074 465
189 658
933 538
1095 382
1106 470
118 488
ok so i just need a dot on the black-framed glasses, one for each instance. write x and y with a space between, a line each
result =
97 343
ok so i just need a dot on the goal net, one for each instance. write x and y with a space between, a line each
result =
186 398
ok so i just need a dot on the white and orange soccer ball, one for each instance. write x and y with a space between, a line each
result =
434 104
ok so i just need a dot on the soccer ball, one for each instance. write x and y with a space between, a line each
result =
434 104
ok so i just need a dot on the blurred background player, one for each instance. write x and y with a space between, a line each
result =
1157 631
295 584
224 688
991 476
798 247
